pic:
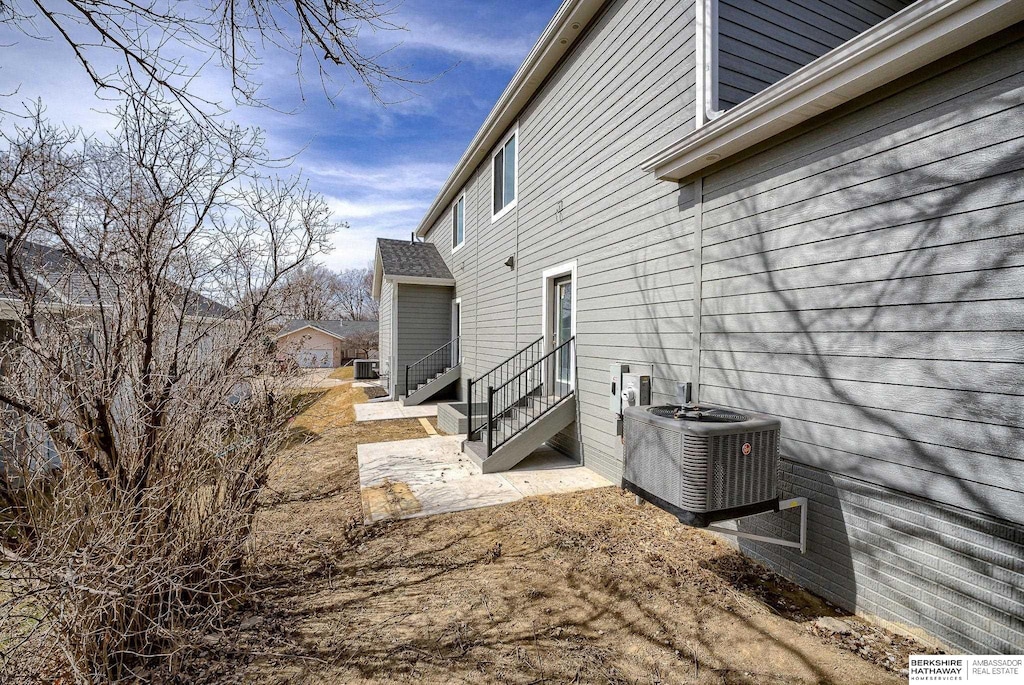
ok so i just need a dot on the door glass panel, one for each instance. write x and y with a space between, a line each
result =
563 328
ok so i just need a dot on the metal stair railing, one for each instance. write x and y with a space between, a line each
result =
423 370
476 388
530 394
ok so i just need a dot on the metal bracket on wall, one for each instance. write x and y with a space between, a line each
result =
790 503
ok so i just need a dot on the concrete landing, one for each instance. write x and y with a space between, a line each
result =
427 476
383 411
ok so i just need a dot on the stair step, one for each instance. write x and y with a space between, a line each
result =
433 378
518 444
518 417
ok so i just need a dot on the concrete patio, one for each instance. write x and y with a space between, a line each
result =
384 411
427 476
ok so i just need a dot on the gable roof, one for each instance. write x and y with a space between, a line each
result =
410 262
406 258
333 327
61 280
558 37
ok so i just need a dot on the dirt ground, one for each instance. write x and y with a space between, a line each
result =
582 588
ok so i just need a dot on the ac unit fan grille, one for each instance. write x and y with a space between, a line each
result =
738 479
654 465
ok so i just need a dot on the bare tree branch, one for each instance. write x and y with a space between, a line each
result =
137 419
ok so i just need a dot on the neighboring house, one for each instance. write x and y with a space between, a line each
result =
417 308
62 287
325 343
810 209
63 284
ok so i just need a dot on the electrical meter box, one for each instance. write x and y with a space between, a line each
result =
636 390
622 376
615 386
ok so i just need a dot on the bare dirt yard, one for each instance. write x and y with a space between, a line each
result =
584 588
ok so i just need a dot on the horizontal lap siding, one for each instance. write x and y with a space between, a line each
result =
761 41
424 324
863 281
384 330
627 86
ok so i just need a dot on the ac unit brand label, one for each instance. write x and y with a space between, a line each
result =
746 449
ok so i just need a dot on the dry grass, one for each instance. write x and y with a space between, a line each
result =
582 588
330 409
343 374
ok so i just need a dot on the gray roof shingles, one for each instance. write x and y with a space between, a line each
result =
57 278
406 258
340 329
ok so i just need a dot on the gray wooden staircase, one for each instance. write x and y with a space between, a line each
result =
433 373
534 400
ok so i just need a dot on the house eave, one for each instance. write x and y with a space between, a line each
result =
920 34
539 63
310 326
420 280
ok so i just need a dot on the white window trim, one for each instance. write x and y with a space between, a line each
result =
515 176
461 198
549 276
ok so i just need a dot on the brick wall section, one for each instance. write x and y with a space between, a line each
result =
884 554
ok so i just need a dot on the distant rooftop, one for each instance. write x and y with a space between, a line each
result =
335 327
55 277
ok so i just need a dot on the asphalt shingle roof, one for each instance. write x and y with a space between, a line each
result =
406 258
58 278
340 329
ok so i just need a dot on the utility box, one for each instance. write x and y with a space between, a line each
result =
636 390
615 385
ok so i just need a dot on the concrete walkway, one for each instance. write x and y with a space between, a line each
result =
427 476
382 411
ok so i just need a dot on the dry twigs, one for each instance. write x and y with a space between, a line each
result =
139 417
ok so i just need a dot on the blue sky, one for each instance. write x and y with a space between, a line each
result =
379 167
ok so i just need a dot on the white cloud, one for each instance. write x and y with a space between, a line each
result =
377 198
351 210
400 178
498 51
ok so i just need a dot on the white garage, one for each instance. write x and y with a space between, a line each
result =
315 359
323 344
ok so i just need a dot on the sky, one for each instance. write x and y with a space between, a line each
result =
378 166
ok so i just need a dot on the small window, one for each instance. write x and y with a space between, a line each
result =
504 175
459 222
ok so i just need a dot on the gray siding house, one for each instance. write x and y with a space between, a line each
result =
807 208
416 294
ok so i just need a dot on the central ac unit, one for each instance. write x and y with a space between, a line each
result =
700 462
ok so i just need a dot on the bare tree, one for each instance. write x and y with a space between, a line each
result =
138 422
363 342
355 295
311 292
127 46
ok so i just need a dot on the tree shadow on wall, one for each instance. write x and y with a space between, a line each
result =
866 293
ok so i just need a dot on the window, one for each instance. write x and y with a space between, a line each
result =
504 172
458 223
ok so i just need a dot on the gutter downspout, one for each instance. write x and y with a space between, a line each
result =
707 62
